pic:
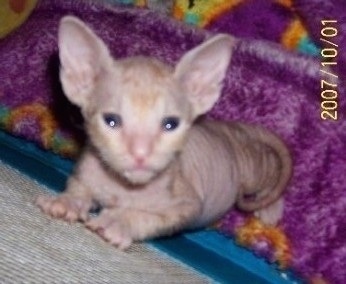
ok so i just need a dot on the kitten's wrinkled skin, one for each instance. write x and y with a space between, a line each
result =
152 168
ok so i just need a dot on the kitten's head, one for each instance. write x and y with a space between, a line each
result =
138 110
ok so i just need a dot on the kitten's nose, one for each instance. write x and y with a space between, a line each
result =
140 149
139 161
139 156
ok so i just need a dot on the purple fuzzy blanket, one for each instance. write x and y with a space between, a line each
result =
265 85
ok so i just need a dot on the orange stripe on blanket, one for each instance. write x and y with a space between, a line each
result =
204 12
40 112
50 136
293 34
253 231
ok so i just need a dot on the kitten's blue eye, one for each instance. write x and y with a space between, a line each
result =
112 120
170 123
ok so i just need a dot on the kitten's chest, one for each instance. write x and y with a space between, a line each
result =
110 190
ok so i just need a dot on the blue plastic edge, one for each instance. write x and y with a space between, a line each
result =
207 251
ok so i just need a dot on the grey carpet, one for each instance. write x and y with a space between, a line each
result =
37 249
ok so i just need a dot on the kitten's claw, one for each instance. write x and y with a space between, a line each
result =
66 207
112 229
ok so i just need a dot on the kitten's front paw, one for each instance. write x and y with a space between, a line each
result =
112 228
67 207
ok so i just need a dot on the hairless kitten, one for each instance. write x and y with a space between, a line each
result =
153 168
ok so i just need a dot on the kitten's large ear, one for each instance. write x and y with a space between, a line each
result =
202 70
83 56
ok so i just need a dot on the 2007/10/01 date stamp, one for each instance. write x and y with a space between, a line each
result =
329 93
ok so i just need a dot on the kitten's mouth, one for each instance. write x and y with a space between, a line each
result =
139 176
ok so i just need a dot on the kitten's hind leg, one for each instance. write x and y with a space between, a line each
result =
271 214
